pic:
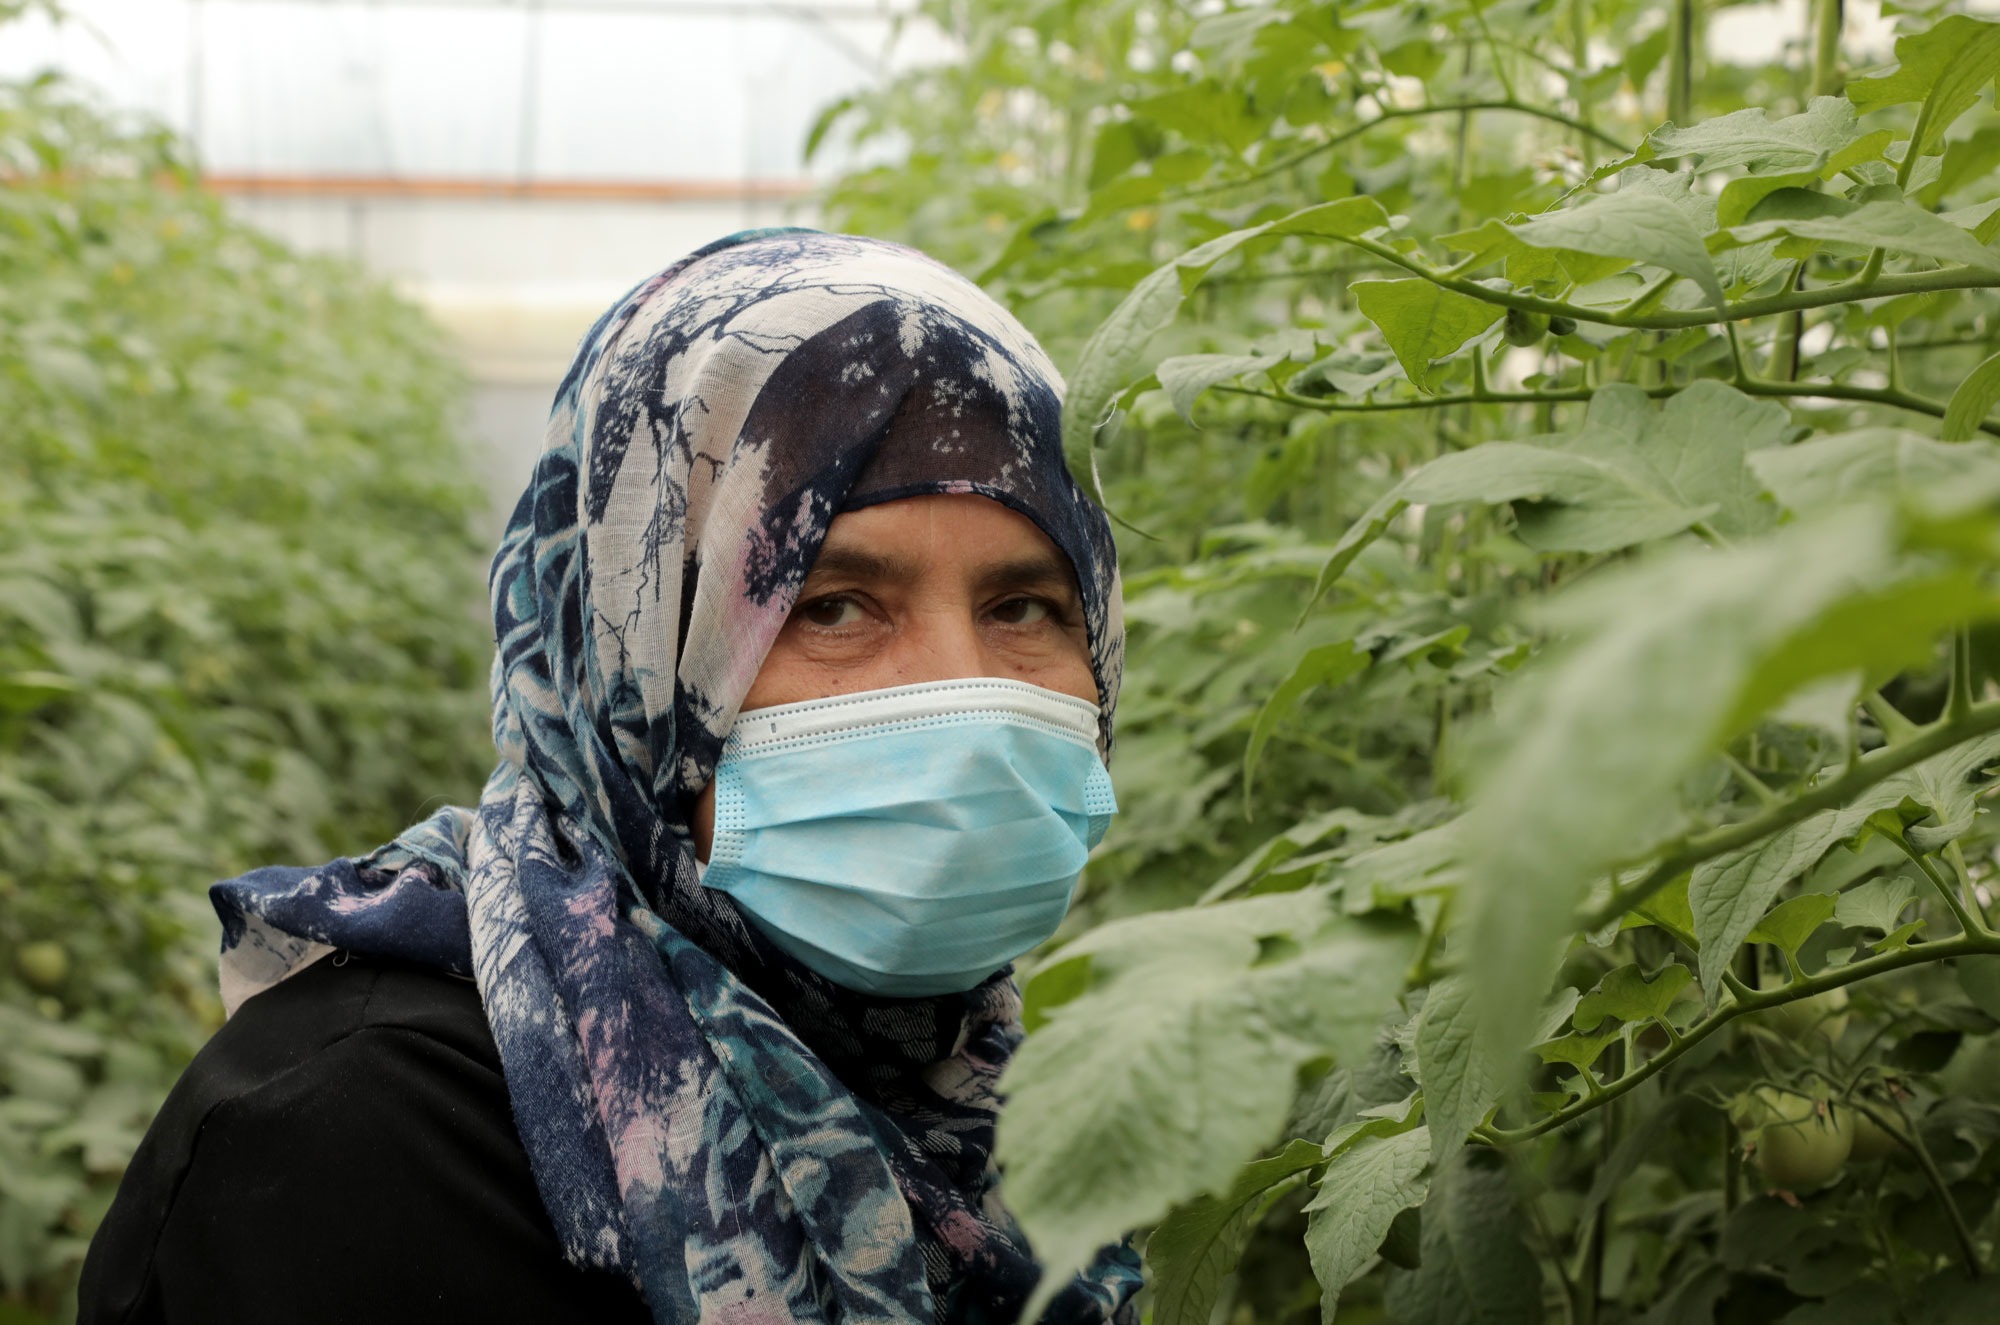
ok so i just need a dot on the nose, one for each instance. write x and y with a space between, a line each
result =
943 646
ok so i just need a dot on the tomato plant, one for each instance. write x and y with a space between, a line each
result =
1561 513
238 623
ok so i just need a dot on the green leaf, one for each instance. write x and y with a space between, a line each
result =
1475 1270
1868 464
1896 226
1668 908
1631 474
1211 1030
1750 140
1675 655
1626 994
1730 893
1327 665
1197 1246
1186 376
1979 977
1577 1049
1205 112
1459 1076
1422 321
1973 401
1363 1190
1790 924
1877 904
1277 850
1392 873
1113 355
1945 67
1640 226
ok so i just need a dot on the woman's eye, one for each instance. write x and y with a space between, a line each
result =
1022 612
831 613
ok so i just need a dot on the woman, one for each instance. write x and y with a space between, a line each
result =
742 982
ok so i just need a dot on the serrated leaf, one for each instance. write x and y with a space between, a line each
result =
1577 1049
1461 1081
1973 401
1276 850
1422 321
1211 1032
1626 994
1868 464
1390 874
1896 226
1115 352
1186 376
1639 226
1877 904
1668 908
1730 893
1945 67
1676 655
1360 1195
1633 473
1750 140
1475 1268
1789 924
1197 1246
1327 665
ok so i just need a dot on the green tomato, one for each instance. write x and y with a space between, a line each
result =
1803 1142
43 965
1562 326
1822 1014
1524 328
1871 1140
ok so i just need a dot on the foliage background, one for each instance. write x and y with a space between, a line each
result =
240 623
1526 653
1391 332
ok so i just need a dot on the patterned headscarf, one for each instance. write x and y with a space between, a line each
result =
747 1140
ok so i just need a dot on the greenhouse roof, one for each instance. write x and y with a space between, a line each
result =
648 95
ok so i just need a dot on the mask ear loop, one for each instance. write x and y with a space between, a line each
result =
1098 801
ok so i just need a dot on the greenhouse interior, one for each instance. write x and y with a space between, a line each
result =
1000 662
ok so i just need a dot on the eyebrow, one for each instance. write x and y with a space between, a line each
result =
1042 570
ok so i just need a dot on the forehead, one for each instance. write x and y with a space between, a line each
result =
935 532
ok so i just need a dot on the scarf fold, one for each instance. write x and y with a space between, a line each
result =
746 1140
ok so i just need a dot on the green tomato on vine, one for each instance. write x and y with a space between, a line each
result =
1797 1142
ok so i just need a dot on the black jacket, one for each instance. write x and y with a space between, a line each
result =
342 1151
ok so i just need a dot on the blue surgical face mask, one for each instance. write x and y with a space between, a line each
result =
910 841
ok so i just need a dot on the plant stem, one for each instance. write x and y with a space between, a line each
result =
1753 386
1783 363
1826 19
1303 155
1911 1140
1874 287
1960 702
1895 727
1956 859
1874 767
1749 781
1964 945
1493 50
1742 374
1680 62
1966 923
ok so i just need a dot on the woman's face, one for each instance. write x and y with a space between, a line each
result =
925 589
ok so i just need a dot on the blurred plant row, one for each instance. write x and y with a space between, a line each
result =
239 623
1561 529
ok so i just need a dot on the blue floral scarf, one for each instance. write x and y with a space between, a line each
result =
746 1140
